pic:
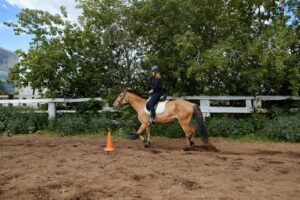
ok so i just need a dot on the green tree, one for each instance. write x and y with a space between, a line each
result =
203 47
78 60
2 88
47 64
222 47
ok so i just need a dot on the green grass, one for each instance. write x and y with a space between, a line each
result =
252 138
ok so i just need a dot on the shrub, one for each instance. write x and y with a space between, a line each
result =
37 121
71 125
285 128
174 131
101 123
259 121
275 126
19 120
227 127
84 123
17 124
127 120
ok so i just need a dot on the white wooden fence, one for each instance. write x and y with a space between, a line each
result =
51 104
252 103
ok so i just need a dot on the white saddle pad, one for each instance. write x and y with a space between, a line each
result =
159 109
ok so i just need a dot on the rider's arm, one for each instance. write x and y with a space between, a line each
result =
156 85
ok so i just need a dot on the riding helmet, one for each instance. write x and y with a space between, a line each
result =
155 68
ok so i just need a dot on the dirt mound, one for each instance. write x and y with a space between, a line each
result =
73 168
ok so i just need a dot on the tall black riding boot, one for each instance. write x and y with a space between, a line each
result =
152 117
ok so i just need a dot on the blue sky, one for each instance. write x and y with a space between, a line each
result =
10 8
8 40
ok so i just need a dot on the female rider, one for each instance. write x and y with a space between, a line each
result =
155 92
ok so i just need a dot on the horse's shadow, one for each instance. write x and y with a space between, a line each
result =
160 147
205 147
200 148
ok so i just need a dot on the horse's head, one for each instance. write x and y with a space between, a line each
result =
121 100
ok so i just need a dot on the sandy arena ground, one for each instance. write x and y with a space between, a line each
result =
44 167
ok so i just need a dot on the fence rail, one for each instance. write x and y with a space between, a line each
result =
252 103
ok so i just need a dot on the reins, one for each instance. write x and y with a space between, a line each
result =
120 101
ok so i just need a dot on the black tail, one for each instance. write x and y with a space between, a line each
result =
200 124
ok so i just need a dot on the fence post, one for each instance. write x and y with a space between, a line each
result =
51 110
257 103
249 104
205 103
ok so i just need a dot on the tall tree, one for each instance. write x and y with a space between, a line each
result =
2 88
203 47
222 47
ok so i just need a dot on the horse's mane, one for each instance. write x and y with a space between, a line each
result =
136 93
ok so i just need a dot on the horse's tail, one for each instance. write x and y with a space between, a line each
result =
200 124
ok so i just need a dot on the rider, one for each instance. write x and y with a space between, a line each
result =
155 92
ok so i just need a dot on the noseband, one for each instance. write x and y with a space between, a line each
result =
120 101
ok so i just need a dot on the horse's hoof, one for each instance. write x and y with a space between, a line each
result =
186 148
192 143
146 144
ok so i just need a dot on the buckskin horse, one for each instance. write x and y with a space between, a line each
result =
179 109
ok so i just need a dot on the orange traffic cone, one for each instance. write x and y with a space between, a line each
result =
109 144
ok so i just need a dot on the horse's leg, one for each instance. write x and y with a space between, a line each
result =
147 143
189 131
141 130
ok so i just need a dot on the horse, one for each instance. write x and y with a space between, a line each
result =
179 109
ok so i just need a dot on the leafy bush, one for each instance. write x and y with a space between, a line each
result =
275 126
227 127
259 121
71 125
90 107
285 128
127 119
101 123
17 124
98 124
280 128
84 123
19 120
173 130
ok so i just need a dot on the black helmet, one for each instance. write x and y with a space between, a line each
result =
155 68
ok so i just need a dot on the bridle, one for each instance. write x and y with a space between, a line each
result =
121 99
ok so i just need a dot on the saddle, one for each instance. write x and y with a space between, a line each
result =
159 107
163 98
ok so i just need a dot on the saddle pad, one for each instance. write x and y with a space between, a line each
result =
159 109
